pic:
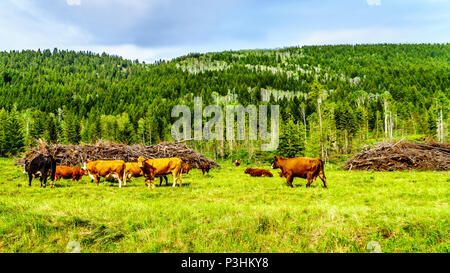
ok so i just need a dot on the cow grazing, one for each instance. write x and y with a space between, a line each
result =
65 172
237 163
303 167
258 172
161 167
185 168
133 170
104 168
41 165
205 168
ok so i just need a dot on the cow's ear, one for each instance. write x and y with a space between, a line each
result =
275 158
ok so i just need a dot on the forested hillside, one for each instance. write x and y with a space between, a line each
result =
333 99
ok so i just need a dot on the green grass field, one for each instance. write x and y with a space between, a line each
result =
228 211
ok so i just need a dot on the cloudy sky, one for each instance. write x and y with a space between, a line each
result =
149 30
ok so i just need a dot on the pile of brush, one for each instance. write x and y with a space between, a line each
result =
72 155
402 156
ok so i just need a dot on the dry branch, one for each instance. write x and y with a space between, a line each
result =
402 156
72 155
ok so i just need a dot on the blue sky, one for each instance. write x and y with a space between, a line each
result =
152 29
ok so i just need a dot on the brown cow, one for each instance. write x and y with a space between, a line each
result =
184 168
160 167
303 167
258 172
237 163
104 168
65 172
132 170
205 168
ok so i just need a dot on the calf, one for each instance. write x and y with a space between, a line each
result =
303 167
40 166
258 172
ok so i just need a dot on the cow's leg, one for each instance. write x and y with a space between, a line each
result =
44 177
324 180
310 180
289 179
175 177
97 179
152 182
160 180
30 177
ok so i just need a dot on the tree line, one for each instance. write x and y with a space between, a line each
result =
334 100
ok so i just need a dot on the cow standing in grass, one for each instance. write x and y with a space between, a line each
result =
65 172
132 170
205 168
161 167
105 168
303 167
41 165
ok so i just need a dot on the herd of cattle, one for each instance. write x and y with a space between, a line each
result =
44 165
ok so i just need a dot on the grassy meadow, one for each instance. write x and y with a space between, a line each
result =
228 211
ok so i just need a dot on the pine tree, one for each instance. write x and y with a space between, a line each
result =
4 120
71 129
14 134
51 130
292 141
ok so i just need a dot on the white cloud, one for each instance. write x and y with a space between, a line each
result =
73 2
373 2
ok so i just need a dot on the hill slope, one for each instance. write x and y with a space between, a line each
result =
365 91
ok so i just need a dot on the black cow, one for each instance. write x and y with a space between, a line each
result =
40 166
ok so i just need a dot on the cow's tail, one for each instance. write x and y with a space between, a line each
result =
53 168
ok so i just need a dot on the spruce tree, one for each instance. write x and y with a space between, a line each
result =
292 140
71 129
14 134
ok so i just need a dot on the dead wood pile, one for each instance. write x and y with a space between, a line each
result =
402 156
71 155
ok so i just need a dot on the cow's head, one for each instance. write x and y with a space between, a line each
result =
276 162
25 167
247 170
185 168
84 168
141 160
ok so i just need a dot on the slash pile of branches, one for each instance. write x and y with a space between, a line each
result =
402 156
72 155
